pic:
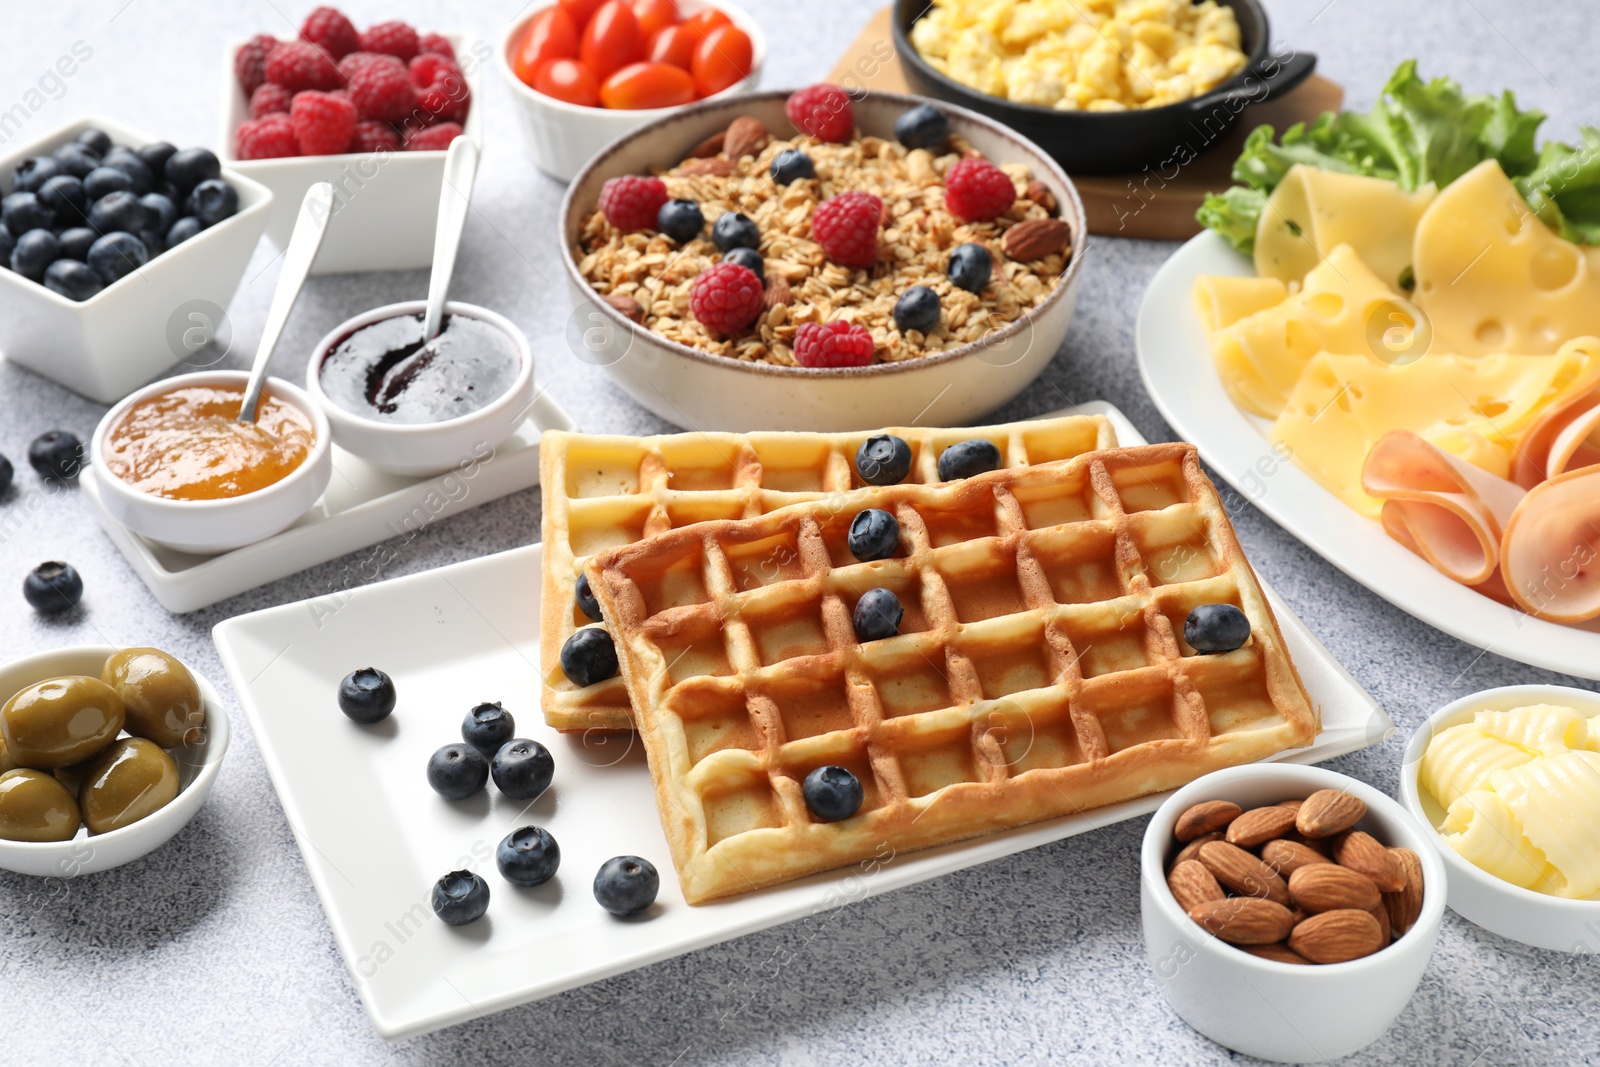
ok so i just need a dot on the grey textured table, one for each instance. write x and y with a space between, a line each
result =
214 949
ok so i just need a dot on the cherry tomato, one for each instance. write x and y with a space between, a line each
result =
580 11
705 20
721 59
655 15
643 85
612 39
674 45
551 35
569 80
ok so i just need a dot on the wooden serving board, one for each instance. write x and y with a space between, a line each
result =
1153 203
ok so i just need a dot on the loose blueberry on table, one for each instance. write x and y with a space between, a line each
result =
965 459
367 695
1214 628
626 885
877 615
487 727
52 587
457 772
460 897
528 856
589 656
586 601
522 769
883 460
874 534
832 793
57 455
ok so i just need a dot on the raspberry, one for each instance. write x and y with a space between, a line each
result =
976 190
374 136
632 202
426 68
433 138
847 228
379 87
725 298
298 65
269 99
323 123
442 91
250 62
833 344
268 138
329 30
436 44
353 63
395 38
823 111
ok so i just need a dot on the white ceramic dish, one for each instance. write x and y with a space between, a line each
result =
87 853
375 837
1290 1013
361 507
1176 364
564 136
702 391
132 330
1536 919
386 204
215 525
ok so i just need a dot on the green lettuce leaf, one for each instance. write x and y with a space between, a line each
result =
1563 189
1234 213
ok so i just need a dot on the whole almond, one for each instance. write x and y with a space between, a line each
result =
1242 872
1337 936
716 166
1040 194
1191 851
1321 845
1329 811
1381 913
1285 856
1035 238
1406 905
1244 920
1258 826
629 307
1292 805
1279 953
1360 851
1192 885
774 292
746 136
1329 887
1205 817
709 147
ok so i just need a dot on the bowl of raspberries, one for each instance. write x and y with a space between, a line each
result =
369 110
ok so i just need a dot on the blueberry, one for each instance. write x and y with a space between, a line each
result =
76 160
626 885
63 195
528 856
75 243
917 309
487 727
456 772
924 126
791 165
154 241
8 245
748 258
460 897
522 769
1213 628
182 230
57 455
734 229
72 279
96 141
117 255
586 601
21 212
832 793
155 156
133 165
874 535
883 460
877 615
119 211
33 173
367 695
103 181
34 252
52 587
589 656
163 212
967 458
969 267
212 201
680 220
6 473
188 167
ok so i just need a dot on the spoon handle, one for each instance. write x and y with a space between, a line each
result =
309 228
460 167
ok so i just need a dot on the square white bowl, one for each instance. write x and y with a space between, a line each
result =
133 329
386 206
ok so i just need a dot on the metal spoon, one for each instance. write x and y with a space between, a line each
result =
460 167
309 228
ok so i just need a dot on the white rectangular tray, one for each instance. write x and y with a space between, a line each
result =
375 837
362 506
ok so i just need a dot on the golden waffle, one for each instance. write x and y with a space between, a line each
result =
600 492
1040 669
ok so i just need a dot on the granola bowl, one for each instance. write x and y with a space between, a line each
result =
987 347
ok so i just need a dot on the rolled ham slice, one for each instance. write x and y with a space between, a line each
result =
1564 438
1550 553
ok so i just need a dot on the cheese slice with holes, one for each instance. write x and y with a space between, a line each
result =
1223 299
1313 211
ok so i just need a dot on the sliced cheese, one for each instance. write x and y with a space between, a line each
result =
1223 300
1313 211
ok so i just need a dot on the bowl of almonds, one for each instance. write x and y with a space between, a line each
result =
1288 911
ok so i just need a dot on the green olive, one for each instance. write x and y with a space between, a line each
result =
36 807
61 721
162 697
126 782
6 762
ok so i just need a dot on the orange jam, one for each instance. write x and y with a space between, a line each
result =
188 444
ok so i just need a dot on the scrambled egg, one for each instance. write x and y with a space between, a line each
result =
1082 55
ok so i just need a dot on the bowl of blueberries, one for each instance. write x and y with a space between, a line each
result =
120 253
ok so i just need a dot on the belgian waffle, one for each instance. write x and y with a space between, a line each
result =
1040 668
600 492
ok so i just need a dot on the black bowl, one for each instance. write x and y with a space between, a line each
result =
1116 142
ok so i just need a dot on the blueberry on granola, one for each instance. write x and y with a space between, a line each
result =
791 165
734 229
969 267
680 220
917 309
748 258
924 126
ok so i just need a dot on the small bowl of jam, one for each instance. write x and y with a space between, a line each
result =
420 409
177 467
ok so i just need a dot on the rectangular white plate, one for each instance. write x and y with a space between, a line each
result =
375 837
1175 361
362 506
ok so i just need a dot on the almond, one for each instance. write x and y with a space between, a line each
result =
1406 905
1337 936
629 307
1259 825
774 292
1244 920
1329 887
1205 818
1035 238
1242 872
709 147
716 166
1191 851
1285 856
1279 953
1040 194
1360 851
1385 927
746 136
1321 845
1292 805
1327 812
1192 885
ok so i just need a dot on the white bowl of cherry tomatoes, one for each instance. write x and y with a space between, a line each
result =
585 72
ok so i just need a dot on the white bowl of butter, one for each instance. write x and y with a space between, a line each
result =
1508 781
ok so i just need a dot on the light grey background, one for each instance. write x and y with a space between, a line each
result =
215 949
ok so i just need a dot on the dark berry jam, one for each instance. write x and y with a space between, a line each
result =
384 372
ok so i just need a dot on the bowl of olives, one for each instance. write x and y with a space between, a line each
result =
105 754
